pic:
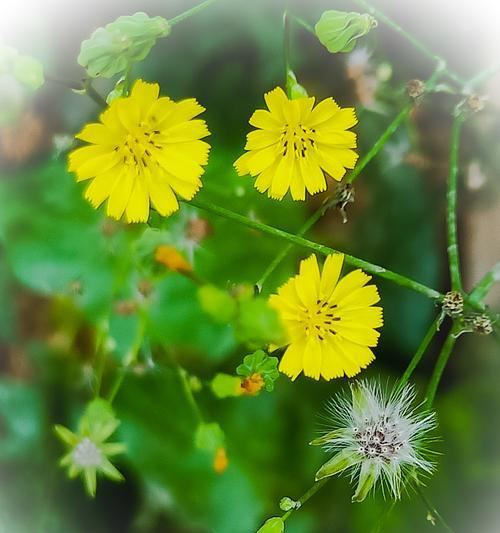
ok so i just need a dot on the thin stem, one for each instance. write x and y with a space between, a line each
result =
411 39
93 94
319 248
451 205
415 360
385 513
303 23
441 363
188 13
484 285
100 354
483 76
286 50
303 499
431 509
189 393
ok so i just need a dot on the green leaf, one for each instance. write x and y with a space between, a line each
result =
261 363
367 478
113 49
273 525
217 303
338 31
209 437
226 386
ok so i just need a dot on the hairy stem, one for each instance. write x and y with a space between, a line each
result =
189 12
415 360
319 248
451 205
440 365
431 508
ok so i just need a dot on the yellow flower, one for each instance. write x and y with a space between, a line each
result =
145 149
330 322
297 144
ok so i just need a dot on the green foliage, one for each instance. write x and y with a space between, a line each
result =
260 363
293 87
25 69
257 324
113 49
339 31
209 437
217 303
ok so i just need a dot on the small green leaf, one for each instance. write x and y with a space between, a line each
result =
209 437
217 303
273 525
338 31
113 49
99 421
226 386
260 363
119 90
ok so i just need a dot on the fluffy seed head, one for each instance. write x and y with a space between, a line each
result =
376 436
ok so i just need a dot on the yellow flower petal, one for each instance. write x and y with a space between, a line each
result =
291 362
330 275
312 358
144 149
262 118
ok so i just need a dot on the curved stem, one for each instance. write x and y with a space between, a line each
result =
319 248
415 360
451 204
440 365
189 12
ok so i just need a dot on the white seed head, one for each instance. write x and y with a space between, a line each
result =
87 454
384 433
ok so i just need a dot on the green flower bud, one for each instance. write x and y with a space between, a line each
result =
113 49
338 31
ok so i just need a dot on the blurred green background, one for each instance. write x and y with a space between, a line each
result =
63 267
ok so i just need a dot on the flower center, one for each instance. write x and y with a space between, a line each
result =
320 321
297 138
138 145
379 438
86 454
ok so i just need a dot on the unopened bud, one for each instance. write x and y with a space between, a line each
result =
286 504
475 103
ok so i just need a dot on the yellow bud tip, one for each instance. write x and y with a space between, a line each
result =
172 259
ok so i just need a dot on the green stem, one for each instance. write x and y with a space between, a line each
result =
303 23
415 360
431 509
411 39
188 13
100 354
319 248
92 93
451 204
286 50
183 375
303 499
441 363
482 76
484 285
